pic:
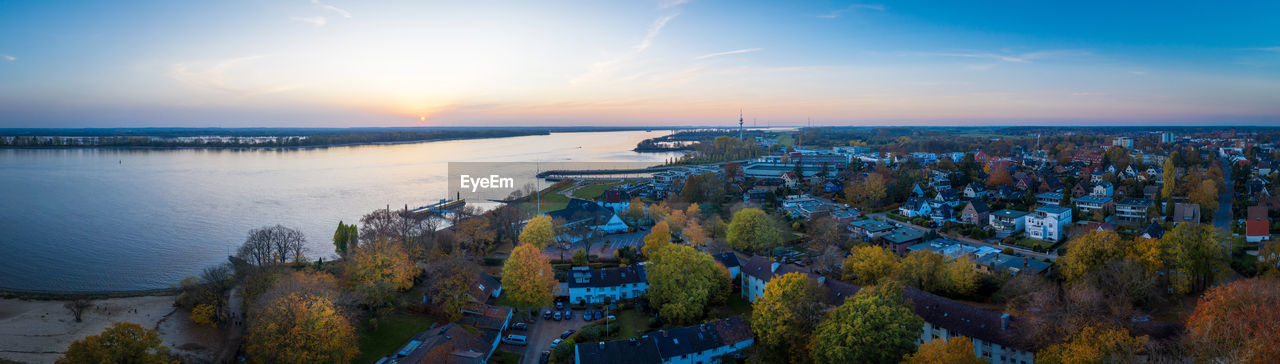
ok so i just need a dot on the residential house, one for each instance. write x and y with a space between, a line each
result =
730 262
790 179
975 190
703 343
915 207
1078 190
1104 189
1186 212
588 285
1258 226
975 212
596 218
1093 203
758 195
1132 210
485 287
869 229
758 271
898 240
1153 231
947 197
942 214
1048 223
1049 198
1007 222
1097 176
448 344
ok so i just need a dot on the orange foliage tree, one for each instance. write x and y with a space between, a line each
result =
1237 323
299 320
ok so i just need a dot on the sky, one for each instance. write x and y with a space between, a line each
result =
327 63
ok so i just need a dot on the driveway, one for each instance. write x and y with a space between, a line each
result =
541 333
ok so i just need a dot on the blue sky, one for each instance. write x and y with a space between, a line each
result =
373 63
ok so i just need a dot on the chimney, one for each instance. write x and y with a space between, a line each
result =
1004 321
774 267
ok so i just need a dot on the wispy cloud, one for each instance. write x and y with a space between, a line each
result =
214 76
8 57
1138 72
654 30
664 4
318 21
726 53
838 12
340 11
994 59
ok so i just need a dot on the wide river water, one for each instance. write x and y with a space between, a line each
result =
134 219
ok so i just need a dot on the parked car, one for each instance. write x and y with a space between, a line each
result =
566 334
547 315
546 355
586 316
611 318
568 314
519 326
514 339
556 342
557 316
559 305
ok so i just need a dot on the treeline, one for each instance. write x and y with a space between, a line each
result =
315 140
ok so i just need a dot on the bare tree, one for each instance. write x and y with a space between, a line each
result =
77 307
273 244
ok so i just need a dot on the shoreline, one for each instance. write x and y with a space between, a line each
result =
264 147
35 295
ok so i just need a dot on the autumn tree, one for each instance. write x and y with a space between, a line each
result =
694 234
658 238
868 265
273 245
1170 179
1094 344
345 238
999 176
659 211
1089 251
580 257
1205 193
539 232
932 272
379 269
475 235
873 326
786 314
824 231
752 230
693 211
123 342
301 319
449 283
1236 323
527 278
1196 257
676 220
867 193
953 350
684 282
635 209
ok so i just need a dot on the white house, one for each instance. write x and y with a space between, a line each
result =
598 285
1048 223
1103 189
1007 221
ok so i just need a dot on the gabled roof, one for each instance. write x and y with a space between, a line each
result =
578 209
1154 231
663 345
612 277
979 206
961 318
728 259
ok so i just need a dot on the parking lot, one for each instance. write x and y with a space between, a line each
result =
541 333
603 246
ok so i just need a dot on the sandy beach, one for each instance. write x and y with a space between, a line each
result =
40 331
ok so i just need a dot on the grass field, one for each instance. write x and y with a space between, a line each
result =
393 331
633 324
505 357
594 189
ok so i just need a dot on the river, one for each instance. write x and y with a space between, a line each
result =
136 219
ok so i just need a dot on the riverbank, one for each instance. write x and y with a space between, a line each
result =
34 331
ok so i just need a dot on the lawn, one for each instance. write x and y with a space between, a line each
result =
1034 244
393 331
505 357
633 324
595 188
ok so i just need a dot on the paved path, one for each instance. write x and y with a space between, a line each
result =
236 332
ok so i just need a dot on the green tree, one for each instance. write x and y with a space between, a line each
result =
527 278
1196 258
580 257
867 265
683 282
1170 179
953 350
1088 252
378 270
539 232
345 238
786 314
752 230
873 326
123 342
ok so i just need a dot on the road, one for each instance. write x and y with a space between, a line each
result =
541 332
1016 250
1222 217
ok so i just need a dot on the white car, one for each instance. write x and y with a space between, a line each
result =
556 342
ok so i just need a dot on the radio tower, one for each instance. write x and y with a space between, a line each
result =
740 136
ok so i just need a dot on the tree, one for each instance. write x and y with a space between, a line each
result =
694 211
449 283
1235 323
873 326
539 232
273 245
77 307
205 314
659 211
868 193
932 272
635 209
824 231
1094 344
580 257
676 220
300 320
786 314
123 342
960 277
476 235
1196 257
868 265
1205 193
752 230
527 278
956 349
999 176
379 269
683 282
694 234
346 237
1089 251
1170 179
659 236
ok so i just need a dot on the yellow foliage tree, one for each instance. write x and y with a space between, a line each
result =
1094 344
659 237
676 220
694 234
786 314
378 270
301 327
953 350
539 232
1089 251
123 342
205 314
694 211
527 278
867 265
